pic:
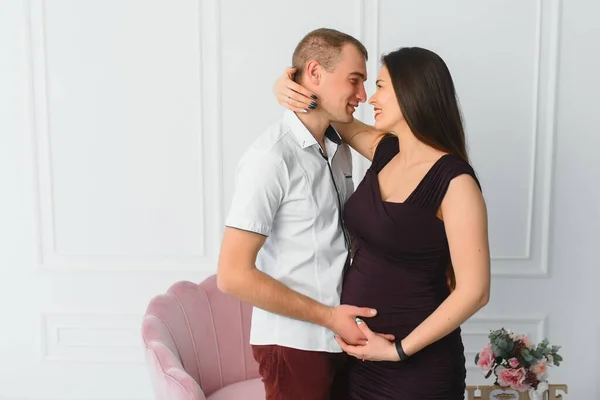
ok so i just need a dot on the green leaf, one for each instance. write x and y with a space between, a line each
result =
557 359
527 356
498 351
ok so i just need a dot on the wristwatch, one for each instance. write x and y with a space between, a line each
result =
400 350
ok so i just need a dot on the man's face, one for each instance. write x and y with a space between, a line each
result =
343 88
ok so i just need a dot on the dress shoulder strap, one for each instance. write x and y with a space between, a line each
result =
432 190
386 149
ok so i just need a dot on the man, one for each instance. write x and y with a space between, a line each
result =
285 247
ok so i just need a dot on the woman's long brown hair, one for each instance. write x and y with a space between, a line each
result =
427 98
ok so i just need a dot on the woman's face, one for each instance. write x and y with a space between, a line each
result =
385 103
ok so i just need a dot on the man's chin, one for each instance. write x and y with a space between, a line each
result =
347 119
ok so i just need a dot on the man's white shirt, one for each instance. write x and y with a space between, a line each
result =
287 190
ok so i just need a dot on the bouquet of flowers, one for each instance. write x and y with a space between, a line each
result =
516 362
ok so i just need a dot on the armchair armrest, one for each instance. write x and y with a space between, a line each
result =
169 380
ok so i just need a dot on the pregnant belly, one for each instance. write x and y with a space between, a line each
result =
402 299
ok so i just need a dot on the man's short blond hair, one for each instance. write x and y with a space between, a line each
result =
325 46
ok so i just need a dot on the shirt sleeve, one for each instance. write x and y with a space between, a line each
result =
260 185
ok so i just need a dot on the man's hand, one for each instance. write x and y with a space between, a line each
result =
386 336
342 321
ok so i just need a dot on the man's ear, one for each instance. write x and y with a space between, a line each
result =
313 72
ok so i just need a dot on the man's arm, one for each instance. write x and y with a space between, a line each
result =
238 276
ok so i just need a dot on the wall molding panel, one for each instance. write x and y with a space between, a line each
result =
209 151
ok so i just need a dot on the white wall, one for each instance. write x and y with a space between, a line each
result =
572 294
121 123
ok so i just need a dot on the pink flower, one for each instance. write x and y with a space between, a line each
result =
526 342
513 378
540 370
513 362
550 359
486 358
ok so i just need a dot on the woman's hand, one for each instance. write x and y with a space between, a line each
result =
292 96
378 347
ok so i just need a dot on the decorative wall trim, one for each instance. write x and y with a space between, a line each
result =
91 338
209 148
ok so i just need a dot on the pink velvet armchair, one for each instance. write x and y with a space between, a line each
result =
196 340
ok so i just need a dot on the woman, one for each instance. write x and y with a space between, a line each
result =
417 214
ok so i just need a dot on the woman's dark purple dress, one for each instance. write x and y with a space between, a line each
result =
399 268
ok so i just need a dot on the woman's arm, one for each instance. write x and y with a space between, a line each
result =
465 220
361 137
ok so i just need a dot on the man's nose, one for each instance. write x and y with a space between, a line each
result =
362 94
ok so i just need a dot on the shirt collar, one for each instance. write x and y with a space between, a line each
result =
303 136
